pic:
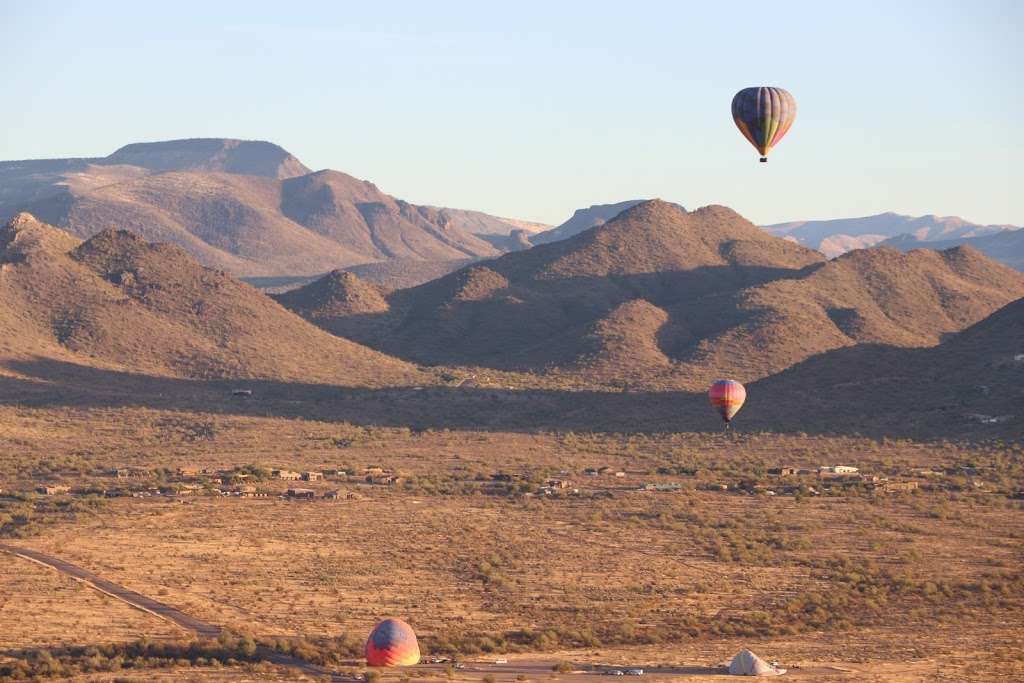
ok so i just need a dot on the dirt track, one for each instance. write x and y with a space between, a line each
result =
159 609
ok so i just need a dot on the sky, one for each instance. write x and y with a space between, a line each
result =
533 109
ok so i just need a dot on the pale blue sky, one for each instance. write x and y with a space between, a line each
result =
532 109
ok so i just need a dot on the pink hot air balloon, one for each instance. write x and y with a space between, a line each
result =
392 643
727 397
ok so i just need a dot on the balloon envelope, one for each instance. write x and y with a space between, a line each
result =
764 115
727 397
392 643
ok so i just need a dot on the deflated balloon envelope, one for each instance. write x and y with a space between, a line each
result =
392 643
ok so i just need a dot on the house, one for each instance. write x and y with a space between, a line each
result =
285 475
312 476
248 490
837 469
899 486
52 490
382 479
331 495
305 494
556 484
661 487
783 471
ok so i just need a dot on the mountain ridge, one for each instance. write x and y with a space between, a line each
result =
663 297
248 207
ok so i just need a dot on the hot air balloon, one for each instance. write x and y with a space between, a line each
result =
727 397
764 115
392 643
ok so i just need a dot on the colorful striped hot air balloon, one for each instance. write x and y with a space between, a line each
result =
727 397
392 643
764 115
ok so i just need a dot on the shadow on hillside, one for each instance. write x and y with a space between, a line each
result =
50 383
873 407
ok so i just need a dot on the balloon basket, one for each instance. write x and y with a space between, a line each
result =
764 160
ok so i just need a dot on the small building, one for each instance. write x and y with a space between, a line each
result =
285 475
556 484
620 473
312 476
52 490
382 479
247 490
188 471
331 495
838 469
306 494
899 486
783 471
334 473
661 487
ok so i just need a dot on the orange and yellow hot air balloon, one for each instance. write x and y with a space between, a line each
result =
764 115
727 397
392 643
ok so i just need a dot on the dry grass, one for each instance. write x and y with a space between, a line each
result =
39 606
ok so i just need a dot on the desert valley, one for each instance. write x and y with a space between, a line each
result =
247 410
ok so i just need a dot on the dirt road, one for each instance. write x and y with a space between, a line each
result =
160 610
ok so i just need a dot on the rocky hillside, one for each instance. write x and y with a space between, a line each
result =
664 297
972 384
118 301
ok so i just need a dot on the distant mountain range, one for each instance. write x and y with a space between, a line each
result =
1006 245
840 235
584 219
247 207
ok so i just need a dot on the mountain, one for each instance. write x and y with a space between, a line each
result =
1006 246
666 298
970 384
246 207
584 219
538 308
117 301
837 236
213 155
480 223
337 294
